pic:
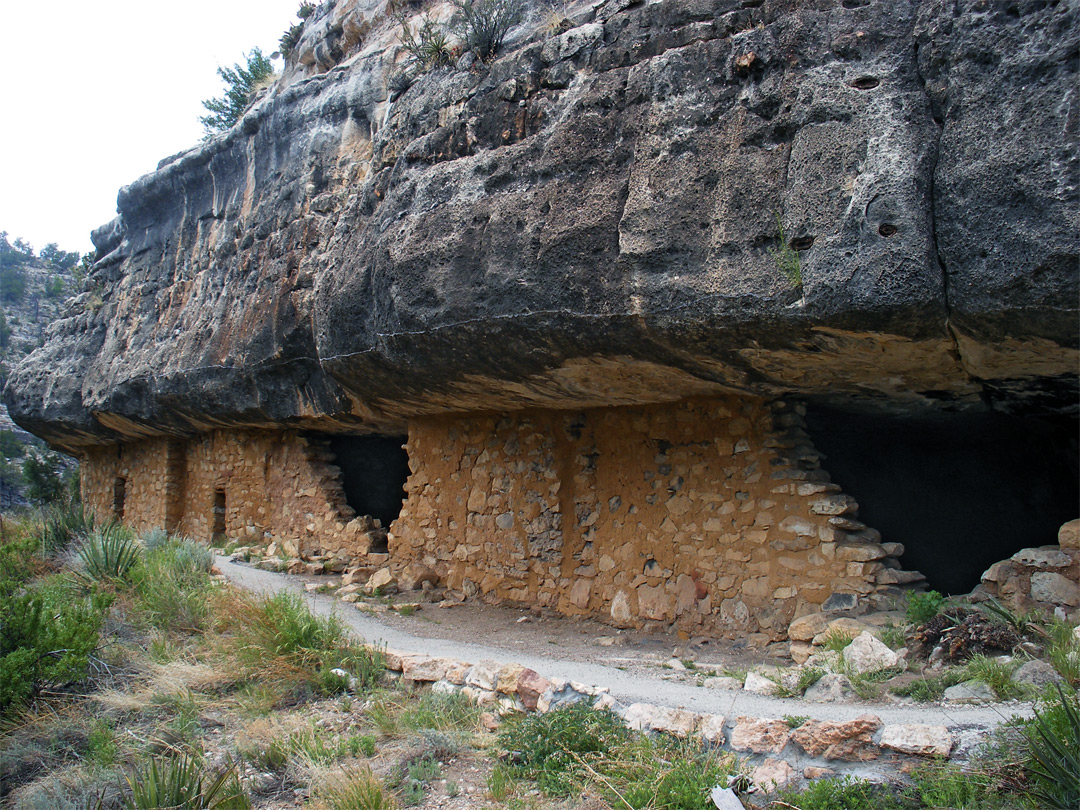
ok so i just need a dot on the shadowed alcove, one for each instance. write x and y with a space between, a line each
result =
373 473
959 490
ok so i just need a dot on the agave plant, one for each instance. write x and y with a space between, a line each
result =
109 553
1054 747
178 783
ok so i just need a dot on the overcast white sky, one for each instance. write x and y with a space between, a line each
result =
96 92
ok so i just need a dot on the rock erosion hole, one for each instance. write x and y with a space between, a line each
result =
960 490
374 470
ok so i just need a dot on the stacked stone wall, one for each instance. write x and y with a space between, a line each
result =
142 466
710 515
278 487
713 515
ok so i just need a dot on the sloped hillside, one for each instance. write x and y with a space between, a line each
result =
33 289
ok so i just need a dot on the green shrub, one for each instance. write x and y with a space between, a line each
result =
273 756
108 554
279 639
786 257
686 785
440 744
411 793
43 473
842 794
922 607
12 283
576 748
18 561
10 445
837 639
101 746
1054 751
921 690
182 711
997 675
287 627
354 789
482 25
1063 650
931 687
424 769
948 786
1021 622
179 783
442 712
544 745
65 524
893 636
174 586
361 744
501 782
314 747
154 539
808 676
46 637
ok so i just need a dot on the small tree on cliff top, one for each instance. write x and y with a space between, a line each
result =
482 25
241 82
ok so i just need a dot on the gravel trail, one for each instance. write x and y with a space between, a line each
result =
626 686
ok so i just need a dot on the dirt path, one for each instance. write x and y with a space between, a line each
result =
560 648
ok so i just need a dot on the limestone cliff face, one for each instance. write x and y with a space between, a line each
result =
592 219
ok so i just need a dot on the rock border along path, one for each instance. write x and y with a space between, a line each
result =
866 739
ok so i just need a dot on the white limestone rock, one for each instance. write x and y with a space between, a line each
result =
759 684
867 654
917 738
969 692
831 688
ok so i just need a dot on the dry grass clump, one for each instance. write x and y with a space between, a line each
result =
350 788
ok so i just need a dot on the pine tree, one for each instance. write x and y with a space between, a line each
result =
241 83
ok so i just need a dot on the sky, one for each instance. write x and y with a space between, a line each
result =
95 92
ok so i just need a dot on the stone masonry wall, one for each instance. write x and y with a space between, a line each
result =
713 516
710 515
278 487
142 465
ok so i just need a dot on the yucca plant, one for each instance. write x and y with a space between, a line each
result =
109 553
1054 747
1022 623
178 783
63 525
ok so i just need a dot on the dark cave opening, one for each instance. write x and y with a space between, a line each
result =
959 490
374 470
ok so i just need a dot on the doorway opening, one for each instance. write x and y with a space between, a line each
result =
119 495
374 470
217 535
